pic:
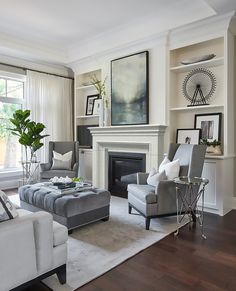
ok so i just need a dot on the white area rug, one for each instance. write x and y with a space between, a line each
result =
96 248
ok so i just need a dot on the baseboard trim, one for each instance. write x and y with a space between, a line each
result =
9 184
234 202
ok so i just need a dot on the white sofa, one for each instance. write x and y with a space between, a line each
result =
32 247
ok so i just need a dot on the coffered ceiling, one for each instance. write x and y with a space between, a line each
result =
57 30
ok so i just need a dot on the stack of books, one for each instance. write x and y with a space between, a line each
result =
70 189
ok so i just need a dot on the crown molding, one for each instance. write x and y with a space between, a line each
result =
149 42
212 27
15 47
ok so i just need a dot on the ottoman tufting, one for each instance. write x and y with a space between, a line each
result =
71 210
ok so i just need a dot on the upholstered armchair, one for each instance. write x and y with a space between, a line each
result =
47 172
152 202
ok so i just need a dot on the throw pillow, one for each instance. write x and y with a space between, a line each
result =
171 168
61 161
154 177
61 165
62 157
7 208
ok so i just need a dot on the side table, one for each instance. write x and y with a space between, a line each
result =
188 192
30 172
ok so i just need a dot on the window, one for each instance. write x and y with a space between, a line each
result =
11 99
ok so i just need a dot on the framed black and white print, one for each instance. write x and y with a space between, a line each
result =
129 89
210 125
188 135
90 104
97 106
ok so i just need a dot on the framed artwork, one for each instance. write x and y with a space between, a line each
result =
188 135
129 89
97 106
210 125
90 104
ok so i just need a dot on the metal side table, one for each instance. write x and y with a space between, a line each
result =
188 192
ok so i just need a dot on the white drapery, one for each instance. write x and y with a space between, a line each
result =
50 100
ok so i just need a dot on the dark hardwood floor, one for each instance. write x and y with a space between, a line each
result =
185 263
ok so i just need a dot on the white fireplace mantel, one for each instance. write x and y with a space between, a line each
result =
146 139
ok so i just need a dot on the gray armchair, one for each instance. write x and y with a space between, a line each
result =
152 202
61 147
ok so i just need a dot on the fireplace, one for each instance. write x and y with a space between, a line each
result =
122 169
145 139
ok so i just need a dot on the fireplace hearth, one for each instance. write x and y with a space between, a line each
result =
122 171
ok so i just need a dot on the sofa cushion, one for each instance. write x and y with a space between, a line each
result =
145 193
60 234
7 208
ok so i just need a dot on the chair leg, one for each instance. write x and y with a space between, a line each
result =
61 274
130 208
148 220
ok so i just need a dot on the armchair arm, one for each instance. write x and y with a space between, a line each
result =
75 168
45 166
142 178
166 197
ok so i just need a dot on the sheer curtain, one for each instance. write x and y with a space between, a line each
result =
50 100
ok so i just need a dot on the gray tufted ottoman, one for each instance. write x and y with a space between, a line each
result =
71 210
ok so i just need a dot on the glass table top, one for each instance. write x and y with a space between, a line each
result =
185 180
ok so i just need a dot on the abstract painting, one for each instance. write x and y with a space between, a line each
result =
129 90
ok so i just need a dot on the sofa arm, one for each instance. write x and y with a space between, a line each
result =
45 166
43 233
142 178
17 252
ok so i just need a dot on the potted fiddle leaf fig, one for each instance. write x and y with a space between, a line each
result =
30 136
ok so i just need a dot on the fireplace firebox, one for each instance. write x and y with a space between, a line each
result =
122 171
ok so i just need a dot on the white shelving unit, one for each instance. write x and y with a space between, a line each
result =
215 62
83 88
180 115
218 169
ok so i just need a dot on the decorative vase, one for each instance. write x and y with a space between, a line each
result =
106 115
101 114
214 150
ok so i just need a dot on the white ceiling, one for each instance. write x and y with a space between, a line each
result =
54 30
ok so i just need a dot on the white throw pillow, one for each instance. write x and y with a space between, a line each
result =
7 208
154 177
61 165
61 162
65 157
171 168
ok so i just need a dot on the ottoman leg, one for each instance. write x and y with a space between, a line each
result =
106 218
70 231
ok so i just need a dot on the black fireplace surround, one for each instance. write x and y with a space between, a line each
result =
122 171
